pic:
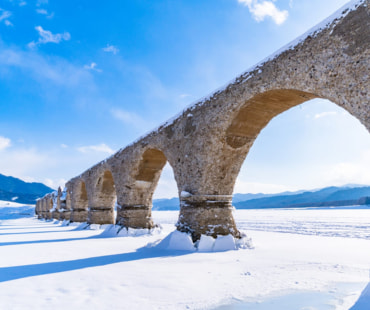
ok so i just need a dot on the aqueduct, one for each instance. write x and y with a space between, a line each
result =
207 144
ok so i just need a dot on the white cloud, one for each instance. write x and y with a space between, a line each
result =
261 9
64 146
96 148
42 11
45 12
111 49
92 66
41 2
128 117
55 183
4 143
4 15
291 3
22 3
354 171
23 162
47 37
325 114
45 70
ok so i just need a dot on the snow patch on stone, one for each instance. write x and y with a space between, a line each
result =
185 194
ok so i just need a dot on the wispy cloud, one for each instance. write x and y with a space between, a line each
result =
4 15
41 2
261 9
4 143
184 96
42 11
325 114
47 37
45 12
93 67
55 183
111 49
129 118
45 70
21 162
348 172
96 148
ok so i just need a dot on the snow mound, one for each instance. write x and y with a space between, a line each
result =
119 231
65 223
177 241
224 243
181 241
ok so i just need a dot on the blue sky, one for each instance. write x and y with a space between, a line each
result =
81 79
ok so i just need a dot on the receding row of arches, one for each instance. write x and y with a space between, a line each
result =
97 204
96 199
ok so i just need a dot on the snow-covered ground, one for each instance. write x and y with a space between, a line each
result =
319 257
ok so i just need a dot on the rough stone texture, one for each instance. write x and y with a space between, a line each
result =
207 144
48 206
66 205
56 204
38 209
79 201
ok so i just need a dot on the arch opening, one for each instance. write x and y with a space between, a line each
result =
258 112
316 145
165 198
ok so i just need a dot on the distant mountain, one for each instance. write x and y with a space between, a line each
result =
335 196
245 197
351 194
166 204
13 189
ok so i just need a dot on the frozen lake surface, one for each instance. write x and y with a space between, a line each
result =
298 256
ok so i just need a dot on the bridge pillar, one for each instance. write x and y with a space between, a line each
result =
56 204
102 199
79 215
65 205
100 215
206 215
135 216
49 206
38 208
79 200
43 207
135 192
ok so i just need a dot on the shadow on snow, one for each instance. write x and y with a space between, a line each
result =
25 271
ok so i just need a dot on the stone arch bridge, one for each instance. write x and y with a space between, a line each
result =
207 144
